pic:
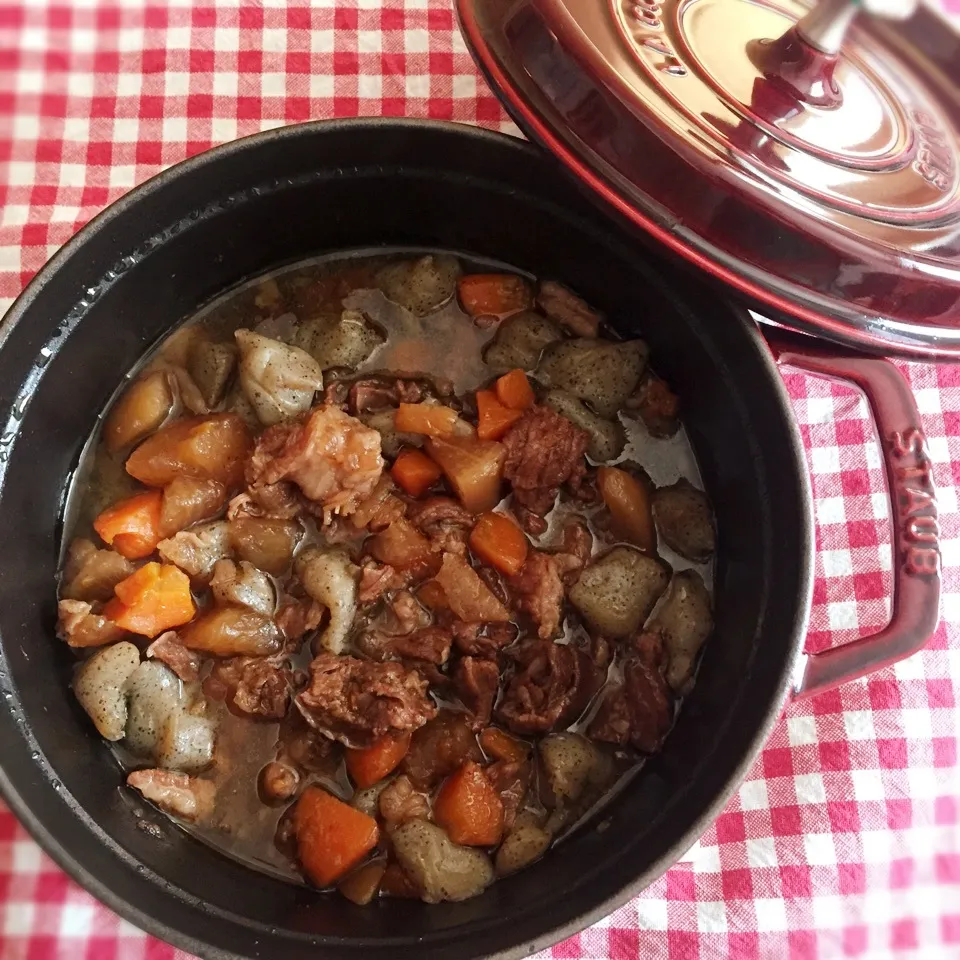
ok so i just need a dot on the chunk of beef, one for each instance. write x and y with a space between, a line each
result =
380 392
357 701
443 745
79 626
540 592
544 450
428 644
380 509
269 501
298 616
332 457
483 639
656 405
558 303
175 793
400 801
575 550
255 686
445 522
91 574
168 649
551 686
511 779
377 579
494 580
638 711
529 521
477 682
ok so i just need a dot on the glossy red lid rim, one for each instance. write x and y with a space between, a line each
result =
786 303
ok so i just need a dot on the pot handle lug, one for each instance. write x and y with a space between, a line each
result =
916 533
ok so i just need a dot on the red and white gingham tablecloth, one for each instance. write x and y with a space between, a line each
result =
844 841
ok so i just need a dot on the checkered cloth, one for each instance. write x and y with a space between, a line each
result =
844 839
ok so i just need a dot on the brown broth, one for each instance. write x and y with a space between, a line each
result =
446 343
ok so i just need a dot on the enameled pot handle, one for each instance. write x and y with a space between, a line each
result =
916 533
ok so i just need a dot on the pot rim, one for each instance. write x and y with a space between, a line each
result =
792 660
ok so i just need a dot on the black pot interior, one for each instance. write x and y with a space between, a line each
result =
162 252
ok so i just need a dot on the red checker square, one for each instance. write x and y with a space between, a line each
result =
440 108
345 62
844 816
155 17
345 19
438 19
568 948
903 934
778 762
786 821
680 885
200 105
901 873
852 878
148 152
151 107
489 110
950 928
623 944
393 106
441 64
682 945
251 17
884 694
744 946
202 61
250 61
856 483
103 106
944 752
899 814
870 586
249 108
297 109
947 867
49 151
393 64
346 106
730 828
43 195
11 16
802 944
854 941
737 885
298 18
106 18
297 62
851 431
392 19
862 533
835 755
795 881
60 18
34 234
100 154
154 61
827 704
893 754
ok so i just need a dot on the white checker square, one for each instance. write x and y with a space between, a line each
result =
416 41
753 795
825 459
842 615
273 84
802 730
837 563
859 725
18 918
651 914
809 787
76 920
819 849
711 916
321 85
761 852
771 914
868 785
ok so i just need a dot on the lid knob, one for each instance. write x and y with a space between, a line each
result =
825 26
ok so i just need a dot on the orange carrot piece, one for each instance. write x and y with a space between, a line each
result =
414 471
469 808
501 746
371 764
497 540
493 418
332 837
427 418
494 294
514 390
629 506
474 468
152 599
132 526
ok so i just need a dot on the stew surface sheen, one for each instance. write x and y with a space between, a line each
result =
385 570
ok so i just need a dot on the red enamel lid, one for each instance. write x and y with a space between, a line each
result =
808 157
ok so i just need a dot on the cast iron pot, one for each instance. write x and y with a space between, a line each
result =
167 247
